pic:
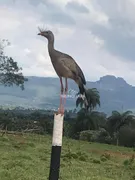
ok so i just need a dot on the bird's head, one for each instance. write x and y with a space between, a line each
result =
46 33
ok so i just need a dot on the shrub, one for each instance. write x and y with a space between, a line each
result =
89 135
101 136
127 136
96 161
78 155
104 137
105 157
102 158
130 162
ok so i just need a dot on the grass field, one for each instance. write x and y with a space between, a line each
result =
28 158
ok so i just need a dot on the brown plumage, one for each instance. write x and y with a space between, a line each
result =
64 65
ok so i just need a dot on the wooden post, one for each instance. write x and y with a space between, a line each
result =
56 147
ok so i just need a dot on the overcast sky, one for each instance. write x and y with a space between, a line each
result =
98 34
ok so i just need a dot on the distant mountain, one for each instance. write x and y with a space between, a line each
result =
41 92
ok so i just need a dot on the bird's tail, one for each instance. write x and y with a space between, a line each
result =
84 95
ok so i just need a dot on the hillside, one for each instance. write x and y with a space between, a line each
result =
27 157
43 92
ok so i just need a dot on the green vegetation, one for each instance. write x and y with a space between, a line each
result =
27 157
91 156
10 73
92 126
93 99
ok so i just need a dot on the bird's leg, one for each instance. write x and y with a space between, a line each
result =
60 111
66 87
66 91
62 87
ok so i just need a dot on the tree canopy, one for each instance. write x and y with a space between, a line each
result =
117 120
93 99
10 72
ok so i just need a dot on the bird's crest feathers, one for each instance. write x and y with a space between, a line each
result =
42 29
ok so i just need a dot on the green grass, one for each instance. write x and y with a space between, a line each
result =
28 158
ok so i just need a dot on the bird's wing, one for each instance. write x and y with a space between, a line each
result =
70 63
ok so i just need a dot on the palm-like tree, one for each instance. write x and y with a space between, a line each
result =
117 120
85 121
93 99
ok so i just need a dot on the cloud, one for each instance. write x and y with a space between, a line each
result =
116 41
120 36
74 6
99 35
61 18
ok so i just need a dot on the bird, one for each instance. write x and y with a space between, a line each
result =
65 67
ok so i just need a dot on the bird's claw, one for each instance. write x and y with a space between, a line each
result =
60 111
63 95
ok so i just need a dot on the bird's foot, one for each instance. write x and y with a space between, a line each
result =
63 96
61 111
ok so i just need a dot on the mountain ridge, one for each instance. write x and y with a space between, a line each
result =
43 92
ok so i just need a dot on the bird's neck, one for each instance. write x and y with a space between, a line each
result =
51 46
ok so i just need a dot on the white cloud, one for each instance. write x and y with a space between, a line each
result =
91 38
27 51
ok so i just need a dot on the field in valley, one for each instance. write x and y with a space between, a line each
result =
27 157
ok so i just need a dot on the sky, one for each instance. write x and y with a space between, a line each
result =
98 34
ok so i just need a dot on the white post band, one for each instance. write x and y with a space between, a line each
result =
57 130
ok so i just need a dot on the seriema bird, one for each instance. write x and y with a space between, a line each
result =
65 67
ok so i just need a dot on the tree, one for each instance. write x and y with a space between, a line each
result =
10 73
118 120
93 99
5 121
86 121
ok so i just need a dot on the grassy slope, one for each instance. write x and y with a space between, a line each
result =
28 158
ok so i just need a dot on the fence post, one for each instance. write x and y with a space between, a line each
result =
56 147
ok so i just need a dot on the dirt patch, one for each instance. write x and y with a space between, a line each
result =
113 154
